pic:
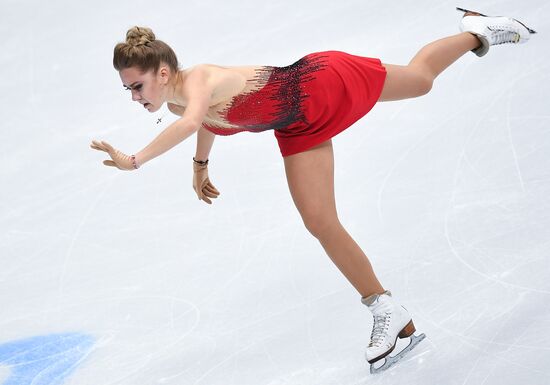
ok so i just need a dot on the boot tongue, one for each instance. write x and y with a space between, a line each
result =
382 305
375 300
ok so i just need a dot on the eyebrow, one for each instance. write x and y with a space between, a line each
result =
131 85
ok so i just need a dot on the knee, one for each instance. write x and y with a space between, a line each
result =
320 225
421 80
425 84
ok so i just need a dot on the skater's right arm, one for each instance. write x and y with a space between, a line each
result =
205 139
201 183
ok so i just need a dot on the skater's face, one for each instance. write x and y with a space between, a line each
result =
147 88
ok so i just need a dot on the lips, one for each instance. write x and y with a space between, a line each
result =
146 105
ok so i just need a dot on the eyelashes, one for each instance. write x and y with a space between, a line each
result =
137 88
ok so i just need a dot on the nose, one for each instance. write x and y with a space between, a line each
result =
135 95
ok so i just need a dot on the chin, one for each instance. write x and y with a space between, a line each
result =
153 109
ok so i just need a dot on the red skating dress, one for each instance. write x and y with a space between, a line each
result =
308 102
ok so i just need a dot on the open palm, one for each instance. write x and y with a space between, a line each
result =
118 159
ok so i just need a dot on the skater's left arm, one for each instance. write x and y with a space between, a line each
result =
198 91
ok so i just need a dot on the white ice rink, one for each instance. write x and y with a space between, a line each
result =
111 277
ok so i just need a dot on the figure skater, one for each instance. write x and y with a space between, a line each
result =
304 104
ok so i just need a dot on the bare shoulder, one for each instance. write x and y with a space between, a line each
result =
226 81
176 109
211 73
220 82
200 78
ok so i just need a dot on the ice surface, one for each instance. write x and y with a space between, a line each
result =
447 194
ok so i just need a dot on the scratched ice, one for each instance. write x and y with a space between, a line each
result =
447 194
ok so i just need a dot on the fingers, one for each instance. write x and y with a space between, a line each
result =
209 196
209 193
102 146
210 188
107 146
205 194
200 195
97 146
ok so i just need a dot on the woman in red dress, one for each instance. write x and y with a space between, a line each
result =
304 104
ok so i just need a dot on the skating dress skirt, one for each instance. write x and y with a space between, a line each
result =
308 102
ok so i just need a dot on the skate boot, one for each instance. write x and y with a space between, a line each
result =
493 30
391 321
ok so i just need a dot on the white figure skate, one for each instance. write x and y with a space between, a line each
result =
493 30
391 321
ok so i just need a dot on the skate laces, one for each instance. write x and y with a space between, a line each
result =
500 36
380 328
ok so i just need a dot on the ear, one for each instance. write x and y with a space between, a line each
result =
164 74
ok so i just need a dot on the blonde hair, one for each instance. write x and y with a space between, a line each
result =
144 51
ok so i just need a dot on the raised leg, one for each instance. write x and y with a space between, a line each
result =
310 177
416 78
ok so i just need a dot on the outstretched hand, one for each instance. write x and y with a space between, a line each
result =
118 159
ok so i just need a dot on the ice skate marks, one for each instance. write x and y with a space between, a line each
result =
389 360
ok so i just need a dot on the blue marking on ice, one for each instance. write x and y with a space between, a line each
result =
44 360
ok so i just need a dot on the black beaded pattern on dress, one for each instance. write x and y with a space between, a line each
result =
288 94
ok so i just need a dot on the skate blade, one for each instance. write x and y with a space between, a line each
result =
389 361
469 10
531 31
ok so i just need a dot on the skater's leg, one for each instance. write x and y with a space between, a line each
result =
416 78
310 177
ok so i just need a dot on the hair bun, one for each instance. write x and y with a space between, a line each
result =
137 36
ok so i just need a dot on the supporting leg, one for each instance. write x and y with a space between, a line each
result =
310 177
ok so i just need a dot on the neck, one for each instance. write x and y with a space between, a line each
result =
174 89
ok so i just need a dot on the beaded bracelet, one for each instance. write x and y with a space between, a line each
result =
134 162
201 162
